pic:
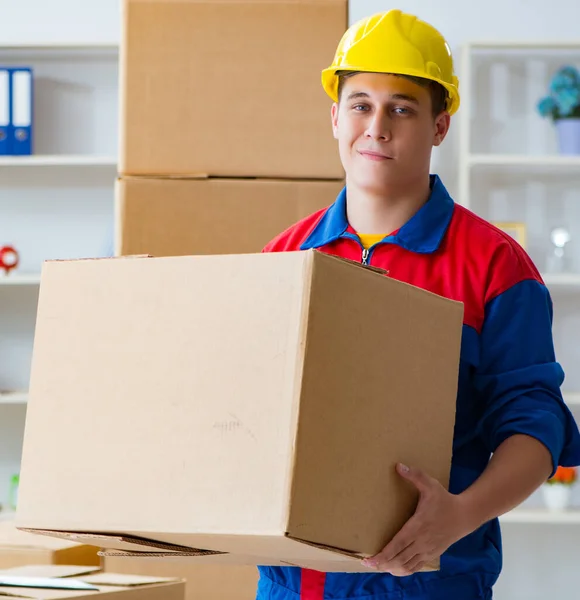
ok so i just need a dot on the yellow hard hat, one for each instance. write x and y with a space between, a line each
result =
398 43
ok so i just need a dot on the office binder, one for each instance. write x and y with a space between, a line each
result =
5 129
21 111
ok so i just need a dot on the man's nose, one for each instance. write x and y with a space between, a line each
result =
379 127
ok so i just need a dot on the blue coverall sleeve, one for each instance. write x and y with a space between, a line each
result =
518 376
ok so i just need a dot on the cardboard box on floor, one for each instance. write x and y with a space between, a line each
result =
20 548
173 217
228 88
202 582
249 406
59 582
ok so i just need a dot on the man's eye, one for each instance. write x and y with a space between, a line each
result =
360 107
400 110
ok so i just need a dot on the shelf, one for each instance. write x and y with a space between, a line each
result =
48 50
540 516
562 281
61 46
59 160
13 398
20 279
523 161
525 45
572 399
6 515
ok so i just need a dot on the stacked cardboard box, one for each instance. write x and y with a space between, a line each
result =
225 129
63 582
202 582
225 142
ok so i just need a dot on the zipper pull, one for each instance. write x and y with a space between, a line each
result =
365 256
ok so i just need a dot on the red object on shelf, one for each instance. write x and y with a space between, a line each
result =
8 258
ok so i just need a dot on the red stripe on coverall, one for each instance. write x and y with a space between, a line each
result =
312 585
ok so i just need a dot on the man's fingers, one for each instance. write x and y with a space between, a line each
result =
417 477
415 564
398 544
409 554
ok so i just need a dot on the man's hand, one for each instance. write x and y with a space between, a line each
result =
439 521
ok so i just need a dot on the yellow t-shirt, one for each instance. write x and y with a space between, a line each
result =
370 239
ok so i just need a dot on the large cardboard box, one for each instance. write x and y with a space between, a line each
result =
175 217
228 88
55 582
202 582
19 548
237 405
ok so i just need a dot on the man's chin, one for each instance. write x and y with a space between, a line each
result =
377 183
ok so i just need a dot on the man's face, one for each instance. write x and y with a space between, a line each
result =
386 130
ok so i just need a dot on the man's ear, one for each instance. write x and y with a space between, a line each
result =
334 116
442 124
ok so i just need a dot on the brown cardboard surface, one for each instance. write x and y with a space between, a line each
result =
31 570
202 582
109 585
212 216
228 88
20 548
252 404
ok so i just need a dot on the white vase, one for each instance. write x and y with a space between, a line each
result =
556 496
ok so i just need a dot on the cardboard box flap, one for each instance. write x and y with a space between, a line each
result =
49 571
46 583
124 580
123 542
137 554
11 537
339 551
354 262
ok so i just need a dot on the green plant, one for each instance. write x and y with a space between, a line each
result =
563 101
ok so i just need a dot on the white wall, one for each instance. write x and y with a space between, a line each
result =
29 21
462 20
72 21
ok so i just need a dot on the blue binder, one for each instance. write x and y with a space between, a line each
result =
5 101
21 84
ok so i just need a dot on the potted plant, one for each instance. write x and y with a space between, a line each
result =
558 489
562 105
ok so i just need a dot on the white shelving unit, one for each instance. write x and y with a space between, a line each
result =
542 516
20 398
59 160
57 203
544 162
21 279
510 171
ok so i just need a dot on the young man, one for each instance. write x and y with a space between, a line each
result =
394 91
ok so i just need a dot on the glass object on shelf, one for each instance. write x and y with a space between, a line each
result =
558 261
13 492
